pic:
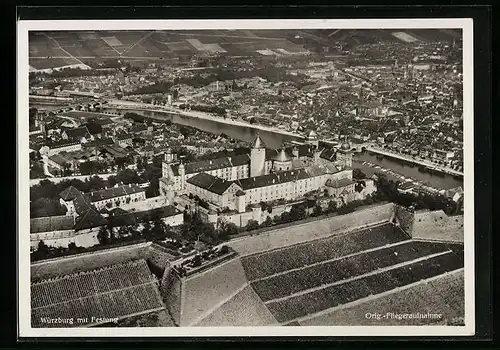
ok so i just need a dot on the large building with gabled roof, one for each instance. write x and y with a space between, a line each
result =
262 175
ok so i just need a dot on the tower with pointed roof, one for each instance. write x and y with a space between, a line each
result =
282 161
344 154
257 157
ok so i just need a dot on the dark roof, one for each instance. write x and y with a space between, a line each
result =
51 223
81 204
212 164
76 133
304 151
89 219
99 142
103 121
113 192
62 143
115 150
139 128
128 218
272 179
339 183
329 153
93 128
70 193
210 183
124 136
59 159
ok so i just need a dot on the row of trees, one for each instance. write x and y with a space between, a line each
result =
154 229
387 190
270 73
203 108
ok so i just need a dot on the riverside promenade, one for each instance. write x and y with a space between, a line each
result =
129 105
425 163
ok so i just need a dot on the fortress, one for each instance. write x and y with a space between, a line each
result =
263 175
328 272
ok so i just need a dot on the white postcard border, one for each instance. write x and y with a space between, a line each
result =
24 300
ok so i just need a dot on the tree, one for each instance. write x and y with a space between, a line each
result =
43 207
36 171
286 217
159 229
127 176
88 167
43 248
112 181
146 231
317 211
252 225
95 183
358 174
103 235
268 222
226 229
67 171
332 206
298 212
123 231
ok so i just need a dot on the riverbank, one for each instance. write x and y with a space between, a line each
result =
398 177
409 159
127 105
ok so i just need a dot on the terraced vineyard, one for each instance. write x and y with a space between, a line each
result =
269 263
110 292
318 300
329 272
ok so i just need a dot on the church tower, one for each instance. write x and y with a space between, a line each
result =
257 157
169 157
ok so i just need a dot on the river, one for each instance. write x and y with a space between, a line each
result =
276 140
440 181
239 132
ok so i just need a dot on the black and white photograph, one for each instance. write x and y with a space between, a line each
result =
246 177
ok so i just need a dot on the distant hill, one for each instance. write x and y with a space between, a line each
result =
57 49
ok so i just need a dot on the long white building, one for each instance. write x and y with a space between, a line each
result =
261 176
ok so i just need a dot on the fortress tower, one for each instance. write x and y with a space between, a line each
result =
344 154
257 157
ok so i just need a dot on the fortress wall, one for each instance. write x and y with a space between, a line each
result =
158 256
171 291
436 225
405 218
87 261
204 292
245 309
312 230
